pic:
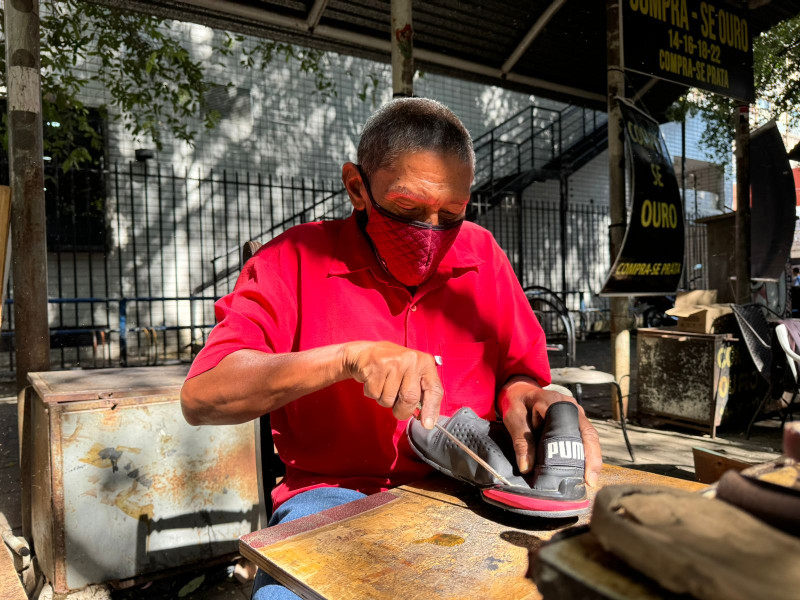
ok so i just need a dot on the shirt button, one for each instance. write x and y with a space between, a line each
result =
414 308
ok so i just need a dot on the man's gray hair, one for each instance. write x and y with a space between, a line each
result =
412 125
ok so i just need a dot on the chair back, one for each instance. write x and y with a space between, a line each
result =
756 334
784 369
249 249
541 298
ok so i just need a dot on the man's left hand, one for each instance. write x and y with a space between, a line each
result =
523 404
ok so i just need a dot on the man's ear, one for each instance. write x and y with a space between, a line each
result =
351 178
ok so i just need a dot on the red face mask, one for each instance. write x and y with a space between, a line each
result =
408 250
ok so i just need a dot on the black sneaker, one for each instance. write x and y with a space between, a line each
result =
553 489
556 487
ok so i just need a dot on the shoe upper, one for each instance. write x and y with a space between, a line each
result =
440 452
560 458
558 466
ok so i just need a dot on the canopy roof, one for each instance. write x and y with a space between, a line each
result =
552 48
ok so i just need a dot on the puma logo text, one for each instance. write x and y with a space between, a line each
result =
565 450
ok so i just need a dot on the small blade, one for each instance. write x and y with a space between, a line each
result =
472 455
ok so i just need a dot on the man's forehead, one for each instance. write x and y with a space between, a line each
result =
399 191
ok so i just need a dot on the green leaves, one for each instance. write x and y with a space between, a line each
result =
150 62
312 62
776 64
369 89
75 157
141 72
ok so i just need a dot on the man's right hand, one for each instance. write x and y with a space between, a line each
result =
397 377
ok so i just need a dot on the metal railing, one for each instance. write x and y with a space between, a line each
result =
531 142
334 205
528 232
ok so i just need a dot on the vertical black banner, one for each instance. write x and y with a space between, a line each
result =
651 258
772 206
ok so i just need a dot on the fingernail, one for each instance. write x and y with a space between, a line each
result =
524 464
591 479
428 423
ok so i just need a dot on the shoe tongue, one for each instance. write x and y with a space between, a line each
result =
560 439
561 419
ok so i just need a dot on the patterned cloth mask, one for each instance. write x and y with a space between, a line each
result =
408 250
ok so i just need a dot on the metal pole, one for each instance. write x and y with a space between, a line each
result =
402 49
683 197
742 268
26 167
563 209
520 240
620 336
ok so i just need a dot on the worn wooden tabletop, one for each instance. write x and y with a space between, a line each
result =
432 539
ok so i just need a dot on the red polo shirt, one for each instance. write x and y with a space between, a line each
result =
320 284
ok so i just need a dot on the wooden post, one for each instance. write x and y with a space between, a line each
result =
402 49
620 336
26 167
742 253
5 242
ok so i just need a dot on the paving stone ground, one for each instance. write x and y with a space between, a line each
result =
664 450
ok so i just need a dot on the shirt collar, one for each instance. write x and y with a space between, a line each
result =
354 252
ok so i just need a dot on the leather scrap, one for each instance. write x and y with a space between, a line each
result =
695 545
774 504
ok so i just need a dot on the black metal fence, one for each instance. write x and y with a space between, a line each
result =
566 249
138 253
566 252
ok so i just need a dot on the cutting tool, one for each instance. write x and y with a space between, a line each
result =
459 443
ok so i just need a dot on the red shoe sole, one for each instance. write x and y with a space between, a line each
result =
515 501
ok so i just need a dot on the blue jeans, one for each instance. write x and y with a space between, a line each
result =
302 505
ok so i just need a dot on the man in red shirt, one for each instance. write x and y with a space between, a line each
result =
339 329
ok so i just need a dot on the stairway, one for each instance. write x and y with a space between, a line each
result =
532 145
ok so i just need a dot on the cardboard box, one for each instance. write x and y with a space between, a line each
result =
697 311
695 298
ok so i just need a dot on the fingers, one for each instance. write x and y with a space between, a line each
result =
791 440
398 378
519 427
408 396
391 388
591 448
432 394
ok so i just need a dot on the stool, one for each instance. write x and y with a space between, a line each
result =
590 376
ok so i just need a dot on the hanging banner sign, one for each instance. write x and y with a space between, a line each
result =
651 259
707 45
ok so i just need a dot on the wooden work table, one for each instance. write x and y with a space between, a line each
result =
432 539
